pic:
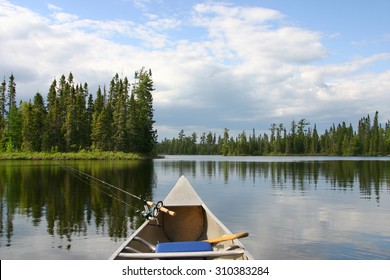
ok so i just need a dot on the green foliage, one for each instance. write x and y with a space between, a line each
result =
55 155
3 89
14 128
371 139
11 98
122 121
69 123
142 136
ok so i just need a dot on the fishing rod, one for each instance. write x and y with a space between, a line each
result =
151 209
76 174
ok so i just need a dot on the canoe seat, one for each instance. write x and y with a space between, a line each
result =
188 246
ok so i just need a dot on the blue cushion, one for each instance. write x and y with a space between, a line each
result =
189 246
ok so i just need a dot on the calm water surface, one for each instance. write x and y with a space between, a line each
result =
293 207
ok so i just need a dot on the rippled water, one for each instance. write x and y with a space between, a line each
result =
292 207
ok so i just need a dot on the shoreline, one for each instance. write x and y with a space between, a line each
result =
83 155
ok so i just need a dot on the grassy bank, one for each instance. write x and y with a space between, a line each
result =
82 155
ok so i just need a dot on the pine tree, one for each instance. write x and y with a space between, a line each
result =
293 138
33 124
53 125
386 140
315 142
89 120
364 133
133 136
120 116
225 143
242 144
101 131
11 93
3 90
278 141
194 138
13 128
39 120
300 139
63 93
142 135
27 126
375 136
81 122
70 125
83 125
105 128
13 132
95 125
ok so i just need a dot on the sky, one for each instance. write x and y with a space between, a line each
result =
240 65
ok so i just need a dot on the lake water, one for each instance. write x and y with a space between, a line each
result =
293 207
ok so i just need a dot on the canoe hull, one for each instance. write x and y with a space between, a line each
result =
193 222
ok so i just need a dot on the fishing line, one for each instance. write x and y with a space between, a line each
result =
151 210
86 178
100 182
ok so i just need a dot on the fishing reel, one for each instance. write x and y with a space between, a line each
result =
151 210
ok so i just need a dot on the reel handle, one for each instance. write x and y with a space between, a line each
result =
162 208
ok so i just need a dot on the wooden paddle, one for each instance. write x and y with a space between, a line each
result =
162 208
227 237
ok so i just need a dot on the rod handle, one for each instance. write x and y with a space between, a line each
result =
162 208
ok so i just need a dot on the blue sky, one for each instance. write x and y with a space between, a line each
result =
234 64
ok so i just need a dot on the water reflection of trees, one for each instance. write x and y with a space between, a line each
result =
370 176
72 206
46 193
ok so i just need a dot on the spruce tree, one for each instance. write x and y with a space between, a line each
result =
27 126
120 116
225 143
95 125
53 124
33 124
70 125
13 128
3 90
101 131
375 136
13 132
132 123
89 119
143 136
39 121
315 142
11 93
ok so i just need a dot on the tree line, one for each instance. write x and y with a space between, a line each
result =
370 139
120 118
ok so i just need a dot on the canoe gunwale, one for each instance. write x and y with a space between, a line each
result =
182 255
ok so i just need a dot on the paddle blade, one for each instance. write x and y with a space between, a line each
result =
227 237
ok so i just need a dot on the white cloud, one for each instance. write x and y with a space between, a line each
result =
246 70
253 34
140 4
158 23
54 8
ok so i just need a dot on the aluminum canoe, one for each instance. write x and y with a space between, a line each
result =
192 224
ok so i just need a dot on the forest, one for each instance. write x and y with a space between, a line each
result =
370 139
119 119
